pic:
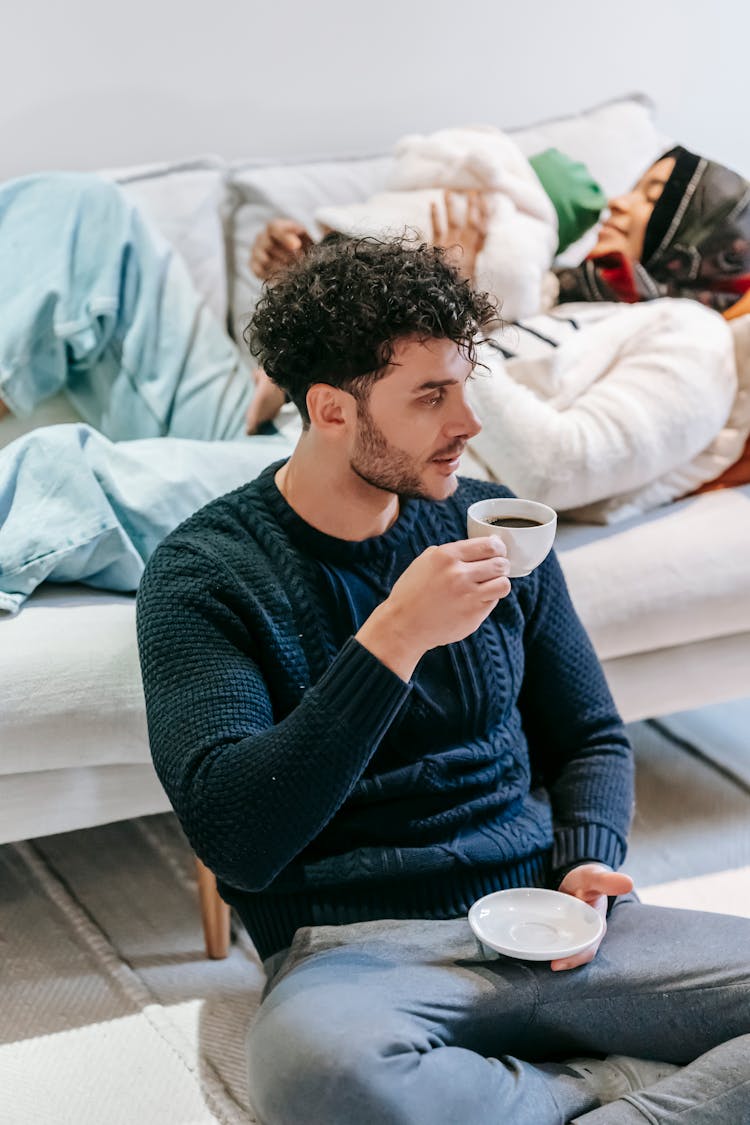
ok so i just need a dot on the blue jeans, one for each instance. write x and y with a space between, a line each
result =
414 1023
104 310
76 507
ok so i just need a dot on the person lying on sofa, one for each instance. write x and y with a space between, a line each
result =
105 311
645 406
358 769
682 231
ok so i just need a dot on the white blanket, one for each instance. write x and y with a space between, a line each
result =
629 413
522 234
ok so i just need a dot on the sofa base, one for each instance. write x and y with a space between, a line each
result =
647 685
51 801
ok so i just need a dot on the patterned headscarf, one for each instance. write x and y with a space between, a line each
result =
697 243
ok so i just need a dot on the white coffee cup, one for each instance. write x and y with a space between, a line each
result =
526 546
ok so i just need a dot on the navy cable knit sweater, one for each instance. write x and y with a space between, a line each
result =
317 785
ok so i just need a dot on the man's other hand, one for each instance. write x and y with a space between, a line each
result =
593 883
279 244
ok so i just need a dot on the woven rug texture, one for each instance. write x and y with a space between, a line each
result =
112 1015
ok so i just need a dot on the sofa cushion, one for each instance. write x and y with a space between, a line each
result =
616 140
70 684
675 576
187 202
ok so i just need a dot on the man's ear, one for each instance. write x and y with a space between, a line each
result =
330 408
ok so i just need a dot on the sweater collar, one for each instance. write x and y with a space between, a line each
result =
327 548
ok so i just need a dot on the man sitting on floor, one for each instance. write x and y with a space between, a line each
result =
364 726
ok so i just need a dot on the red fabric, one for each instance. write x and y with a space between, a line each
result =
739 472
734 285
617 272
735 475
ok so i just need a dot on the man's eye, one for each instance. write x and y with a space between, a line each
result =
433 400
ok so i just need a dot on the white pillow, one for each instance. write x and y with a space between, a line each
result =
187 201
617 141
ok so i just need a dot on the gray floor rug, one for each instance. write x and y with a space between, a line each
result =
719 734
110 1013
690 819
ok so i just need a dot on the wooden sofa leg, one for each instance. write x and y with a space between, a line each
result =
214 914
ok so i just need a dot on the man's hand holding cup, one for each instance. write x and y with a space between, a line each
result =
443 596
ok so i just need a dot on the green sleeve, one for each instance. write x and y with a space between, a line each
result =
577 198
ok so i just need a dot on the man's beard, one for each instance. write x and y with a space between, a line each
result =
381 464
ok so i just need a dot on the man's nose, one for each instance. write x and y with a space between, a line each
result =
466 423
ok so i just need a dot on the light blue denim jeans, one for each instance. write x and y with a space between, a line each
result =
76 507
414 1023
96 303
103 310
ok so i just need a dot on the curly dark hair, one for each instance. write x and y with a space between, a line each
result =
334 316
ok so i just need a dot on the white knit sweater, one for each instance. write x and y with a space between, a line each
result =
622 416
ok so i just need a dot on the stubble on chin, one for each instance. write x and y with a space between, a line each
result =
382 465
389 476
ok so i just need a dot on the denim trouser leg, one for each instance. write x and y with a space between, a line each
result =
76 507
410 1023
104 310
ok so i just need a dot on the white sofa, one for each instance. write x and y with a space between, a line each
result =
666 598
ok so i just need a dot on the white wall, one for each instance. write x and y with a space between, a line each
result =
91 83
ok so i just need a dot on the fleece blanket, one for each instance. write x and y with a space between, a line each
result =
639 407
522 234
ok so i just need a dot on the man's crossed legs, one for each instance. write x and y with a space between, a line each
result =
414 1023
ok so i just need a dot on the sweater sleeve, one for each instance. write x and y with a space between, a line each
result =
578 747
250 791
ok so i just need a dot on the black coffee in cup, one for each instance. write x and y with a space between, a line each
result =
512 521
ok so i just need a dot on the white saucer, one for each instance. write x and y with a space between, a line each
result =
535 924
